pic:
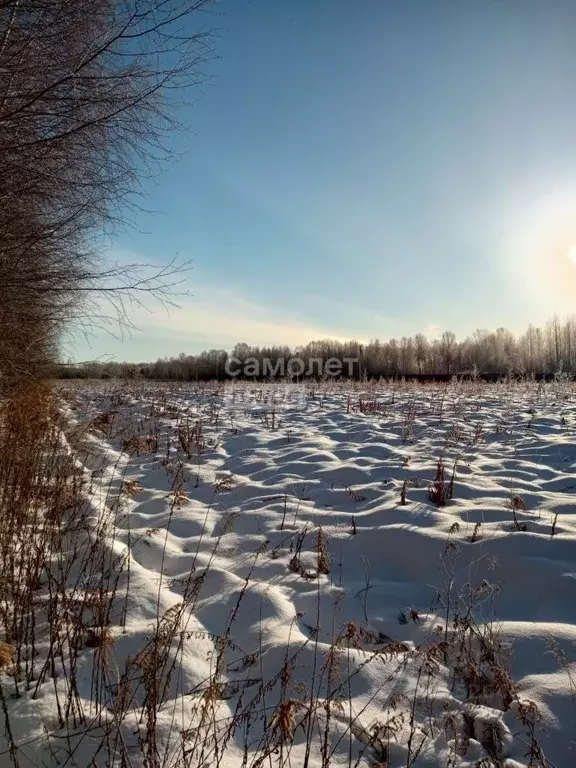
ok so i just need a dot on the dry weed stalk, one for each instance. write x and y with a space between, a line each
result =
438 492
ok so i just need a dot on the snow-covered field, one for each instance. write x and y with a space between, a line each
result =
331 599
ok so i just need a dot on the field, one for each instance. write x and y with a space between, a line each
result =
327 574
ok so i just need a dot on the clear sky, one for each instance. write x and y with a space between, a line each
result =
367 169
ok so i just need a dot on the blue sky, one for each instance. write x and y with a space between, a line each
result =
367 169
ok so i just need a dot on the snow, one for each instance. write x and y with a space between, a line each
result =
234 529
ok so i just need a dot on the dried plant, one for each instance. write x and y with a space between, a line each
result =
438 492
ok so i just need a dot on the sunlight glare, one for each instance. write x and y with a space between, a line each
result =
541 257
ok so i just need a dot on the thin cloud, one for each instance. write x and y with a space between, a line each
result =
227 318
432 331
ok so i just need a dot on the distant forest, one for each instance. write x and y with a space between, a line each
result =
540 351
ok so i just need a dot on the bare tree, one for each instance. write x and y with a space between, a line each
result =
447 345
87 96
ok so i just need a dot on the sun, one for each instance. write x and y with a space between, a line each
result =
541 258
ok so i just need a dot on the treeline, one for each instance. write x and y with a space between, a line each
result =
83 116
539 351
